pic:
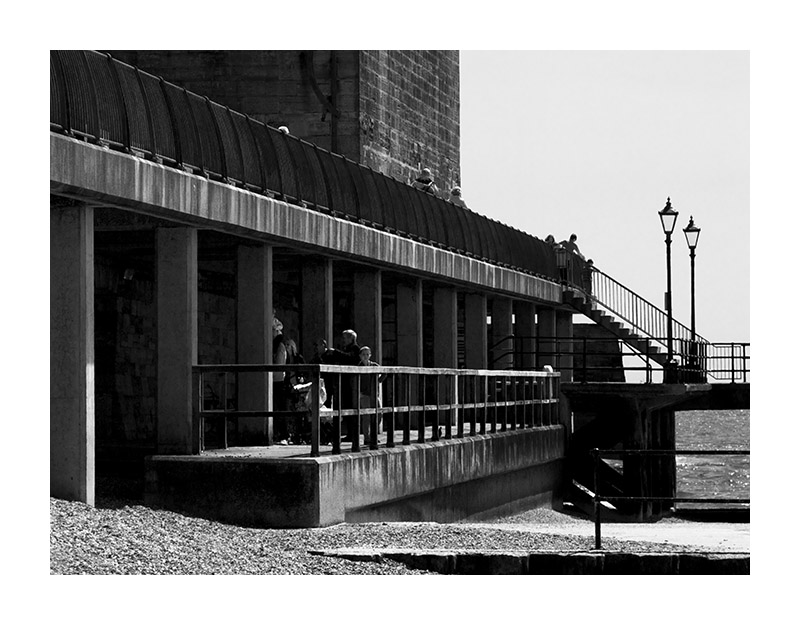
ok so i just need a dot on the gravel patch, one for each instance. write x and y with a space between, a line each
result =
123 537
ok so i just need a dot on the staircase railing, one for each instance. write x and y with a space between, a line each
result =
632 309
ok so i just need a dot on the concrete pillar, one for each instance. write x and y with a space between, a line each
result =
176 305
546 333
409 339
502 326
565 344
409 325
254 305
368 310
525 331
445 327
475 331
72 442
316 313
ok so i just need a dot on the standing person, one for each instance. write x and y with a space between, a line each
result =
348 355
571 245
323 355
370 396
279 356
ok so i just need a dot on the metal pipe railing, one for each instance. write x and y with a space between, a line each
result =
598 499
482 399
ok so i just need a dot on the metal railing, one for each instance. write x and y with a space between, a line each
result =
432 404
102 100
598 499
594 359
633 310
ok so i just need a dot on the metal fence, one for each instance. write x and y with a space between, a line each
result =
414 404
99 99
598 499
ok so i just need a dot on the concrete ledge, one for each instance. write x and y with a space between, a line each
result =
556 563
107 177
441 481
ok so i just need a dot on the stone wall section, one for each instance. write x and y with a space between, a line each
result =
410 113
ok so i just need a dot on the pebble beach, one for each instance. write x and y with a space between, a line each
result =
123 537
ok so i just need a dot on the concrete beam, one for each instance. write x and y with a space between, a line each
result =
125 181
72 389
254 305
176 306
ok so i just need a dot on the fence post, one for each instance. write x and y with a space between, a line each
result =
597 539
314 412
197 406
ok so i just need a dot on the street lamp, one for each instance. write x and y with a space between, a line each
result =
692 234
668 218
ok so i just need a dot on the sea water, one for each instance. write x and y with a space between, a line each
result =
713 476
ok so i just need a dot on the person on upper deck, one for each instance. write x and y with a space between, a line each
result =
424 182
571 245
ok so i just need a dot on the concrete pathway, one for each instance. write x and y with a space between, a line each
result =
734 537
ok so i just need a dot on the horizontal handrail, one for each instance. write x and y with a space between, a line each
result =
597 498
636 311
696 362
483 400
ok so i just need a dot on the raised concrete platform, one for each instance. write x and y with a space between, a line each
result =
444 481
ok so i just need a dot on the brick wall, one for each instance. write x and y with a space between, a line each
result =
410 113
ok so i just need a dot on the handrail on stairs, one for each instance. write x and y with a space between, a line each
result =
633 309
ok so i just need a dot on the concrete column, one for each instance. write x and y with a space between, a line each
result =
475 331
316 313
254 305
525 330
368 310
565 336
176 305
546 333
409 325
72 438
409 338
502 326
445 327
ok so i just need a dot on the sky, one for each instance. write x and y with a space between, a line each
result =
593 143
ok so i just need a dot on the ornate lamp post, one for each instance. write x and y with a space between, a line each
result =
692 234
668 218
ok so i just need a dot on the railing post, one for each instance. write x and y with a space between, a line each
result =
407 420
390 416
197 406
374 418
337 418
596 463
314 412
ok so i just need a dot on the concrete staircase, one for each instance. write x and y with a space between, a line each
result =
641 343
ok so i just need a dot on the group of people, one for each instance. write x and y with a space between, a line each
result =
568 244
424 182
336 390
